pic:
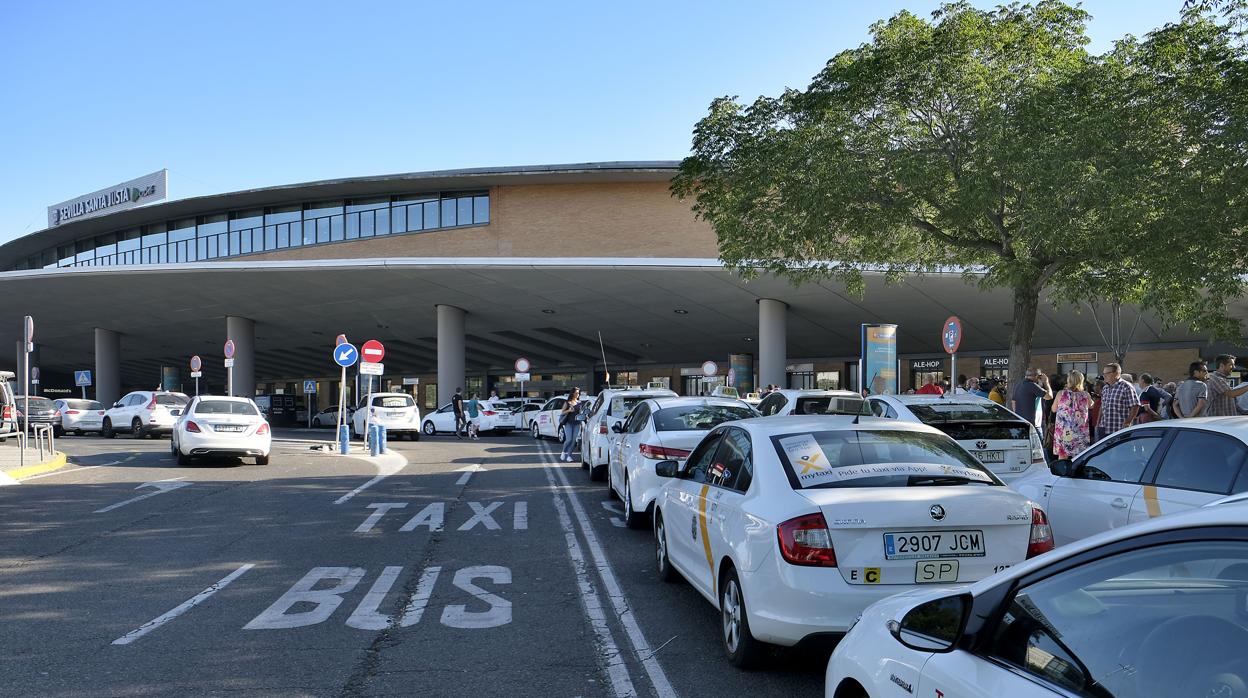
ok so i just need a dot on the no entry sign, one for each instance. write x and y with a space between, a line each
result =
372 351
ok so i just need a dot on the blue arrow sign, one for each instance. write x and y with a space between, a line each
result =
309 387
346 355
82 378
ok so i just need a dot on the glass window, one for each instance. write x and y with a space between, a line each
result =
828 380
129 245
382 222
1201 460
431 215
464 207
1123 461
772 404
368 204
869 458
353 226
235 244
320 209
212 225
398 219
225 407
448 213
154 239
245 240
322 230
637 419
242 220
1179 603
366 224
283 214
309 232
481 209
84 256
698 417
182 230
335 229
393 401
270 237
832 404
699 461
733 468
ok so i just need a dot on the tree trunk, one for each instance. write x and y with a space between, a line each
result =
1026 303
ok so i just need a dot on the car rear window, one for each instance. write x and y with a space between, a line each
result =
394 401
37 403
172 400
698 417
973 420
226 407
621 405
866 458
832 404
83 405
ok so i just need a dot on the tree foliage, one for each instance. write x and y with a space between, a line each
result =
994 142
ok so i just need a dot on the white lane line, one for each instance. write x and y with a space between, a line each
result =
393 462
467 473
62 472
662 687
617 670
190 603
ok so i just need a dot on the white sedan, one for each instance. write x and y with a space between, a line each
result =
1152 610
397 412
659 429
221 427
545 422
788 402
611 407
79 416
493 417
1141 473
791 526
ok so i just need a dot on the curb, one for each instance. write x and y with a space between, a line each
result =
60 461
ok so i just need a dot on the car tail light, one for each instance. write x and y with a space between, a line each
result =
101 413
1041 534
661 453
72 412
264 429
192 427
602 428
152 405
1037 448
488 413
805 541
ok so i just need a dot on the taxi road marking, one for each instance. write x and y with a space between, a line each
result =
1150 498
183 608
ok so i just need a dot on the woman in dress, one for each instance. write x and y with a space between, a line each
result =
1070 418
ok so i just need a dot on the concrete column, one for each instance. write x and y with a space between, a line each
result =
107 367
243 332
772 347
450 351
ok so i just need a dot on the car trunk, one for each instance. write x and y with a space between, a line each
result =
982 529
1003 447
226 424
684 440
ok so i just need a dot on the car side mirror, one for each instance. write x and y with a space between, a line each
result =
117 404
1061 468
618 427
934 626
667 468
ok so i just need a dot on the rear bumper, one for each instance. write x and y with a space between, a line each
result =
224 446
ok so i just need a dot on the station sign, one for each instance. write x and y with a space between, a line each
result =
372 351
369 368
136 192
346 354
82 379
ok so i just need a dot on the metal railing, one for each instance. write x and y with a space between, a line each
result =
45 436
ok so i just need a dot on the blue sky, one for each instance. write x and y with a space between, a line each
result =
232 95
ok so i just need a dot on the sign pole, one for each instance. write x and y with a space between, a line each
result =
27 346
342 399
84 392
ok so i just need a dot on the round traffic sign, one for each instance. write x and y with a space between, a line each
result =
229 349
710 368
523 365
34 373
340 339
30 329
951 334
372 351
345 354
196 363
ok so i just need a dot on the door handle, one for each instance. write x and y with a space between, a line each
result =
1118 503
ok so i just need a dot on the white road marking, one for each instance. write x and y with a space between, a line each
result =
424 591
62 472
432 517
387 465
499 613
615 508
520 517
162 486
7 480
365 616
188 605
481 515
380 509
467 473
617 670
325 601
658 679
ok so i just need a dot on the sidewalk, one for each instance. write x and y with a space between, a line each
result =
13 468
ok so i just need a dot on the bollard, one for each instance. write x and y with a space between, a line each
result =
344 439
374 442
382 435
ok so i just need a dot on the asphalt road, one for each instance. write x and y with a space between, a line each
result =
468 568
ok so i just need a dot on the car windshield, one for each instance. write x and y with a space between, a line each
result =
832 404
865 458
37 403
83 405
973 420
226 407
621 405
696 417
394 401
172 400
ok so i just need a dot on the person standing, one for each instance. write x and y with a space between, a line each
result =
1167 407
1192 397
1070 418
474 418
1025 400
1152 400
997 393
1221 394
982 387
930 387
570 418
1119 403
457 406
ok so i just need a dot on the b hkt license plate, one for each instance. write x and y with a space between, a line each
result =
989 456
925 545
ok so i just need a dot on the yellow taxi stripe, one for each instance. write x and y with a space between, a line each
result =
1150 498
706 540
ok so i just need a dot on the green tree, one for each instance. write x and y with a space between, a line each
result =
994 142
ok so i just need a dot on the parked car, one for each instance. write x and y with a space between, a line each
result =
1007 444
1141 473
661 429
144 413
493 417
1151 610
80 416
397 412
221 427
42 411
8 406
611 407
811 401
544 424
523 410
328 417
791 526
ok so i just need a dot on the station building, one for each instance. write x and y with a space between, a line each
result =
587 270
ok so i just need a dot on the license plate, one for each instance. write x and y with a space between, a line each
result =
925 545
229 427
935 571
395 413
989 456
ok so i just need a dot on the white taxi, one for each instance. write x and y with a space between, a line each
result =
1004 442
611 407
397 412
1141 473
544 424
791 526
812 401
1153 610
492 417
660 429
220 427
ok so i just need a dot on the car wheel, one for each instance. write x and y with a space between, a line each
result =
664 564
533 429
136 428
742 649
413 436
316 422
107 430
58 431
183 459
611 482
77 432
634 519
262 460
428 428
560 435
173 448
